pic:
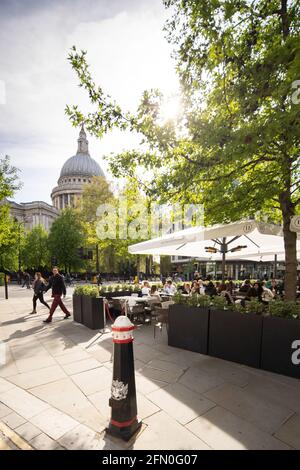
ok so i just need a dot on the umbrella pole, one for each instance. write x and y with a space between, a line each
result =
223 257
275 266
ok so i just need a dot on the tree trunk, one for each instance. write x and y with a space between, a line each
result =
290 246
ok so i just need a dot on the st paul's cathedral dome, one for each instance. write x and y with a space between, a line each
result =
75 173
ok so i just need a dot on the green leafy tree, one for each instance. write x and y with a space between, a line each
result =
35 252
9 183
65 238
236 147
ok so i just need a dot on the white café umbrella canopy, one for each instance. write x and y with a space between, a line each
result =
246 239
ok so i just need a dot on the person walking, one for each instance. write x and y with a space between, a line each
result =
26 278
38 286
57 284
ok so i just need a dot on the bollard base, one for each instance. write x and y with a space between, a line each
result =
124 433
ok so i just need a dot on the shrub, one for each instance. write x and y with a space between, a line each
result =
178 298
78 290
283 308
1 279
89 291
255 306
197 300
219 302
117 288
130 288
136 288
109 288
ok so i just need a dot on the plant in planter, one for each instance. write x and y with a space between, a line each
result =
234 332
130 288
285 309
109 288
188 322
136 288
77 303
254 306
93 315
281 331
219 302
117 288
197 300
103 290
178 298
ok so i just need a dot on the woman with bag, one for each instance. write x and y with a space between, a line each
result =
38 287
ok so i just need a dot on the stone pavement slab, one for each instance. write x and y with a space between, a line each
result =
289 432
54 423
267 416
165 433
222 430
23 403
180 402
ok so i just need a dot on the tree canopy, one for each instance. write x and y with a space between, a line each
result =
235 147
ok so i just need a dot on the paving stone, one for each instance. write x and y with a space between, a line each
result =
146 385
164 433
23 402
54 423
93 381
81 366
180 402
68 398
82 438
73 356
33 379
4 410
43 442
13 420
266 415
199 381
28 431
222 430
289 432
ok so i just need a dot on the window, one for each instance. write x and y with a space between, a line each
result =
84 180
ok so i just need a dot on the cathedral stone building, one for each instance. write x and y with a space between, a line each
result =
75 173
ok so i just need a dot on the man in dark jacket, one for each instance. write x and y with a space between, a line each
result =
57 284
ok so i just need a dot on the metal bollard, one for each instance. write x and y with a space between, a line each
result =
124 423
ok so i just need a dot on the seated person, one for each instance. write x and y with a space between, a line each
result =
154 293
195 288
210 289
254 291
186 288
267 294
146 288
169 288
201 287
245 287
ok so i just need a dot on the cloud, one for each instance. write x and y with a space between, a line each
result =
128 53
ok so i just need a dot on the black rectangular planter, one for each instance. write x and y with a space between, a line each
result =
188 328
235 336
280 352
93 313
77 308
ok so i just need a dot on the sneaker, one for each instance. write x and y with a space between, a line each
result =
67 315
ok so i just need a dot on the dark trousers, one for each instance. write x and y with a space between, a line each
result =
40 297
57 301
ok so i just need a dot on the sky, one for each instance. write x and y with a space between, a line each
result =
127 51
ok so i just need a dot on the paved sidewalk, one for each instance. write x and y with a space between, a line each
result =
54 390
